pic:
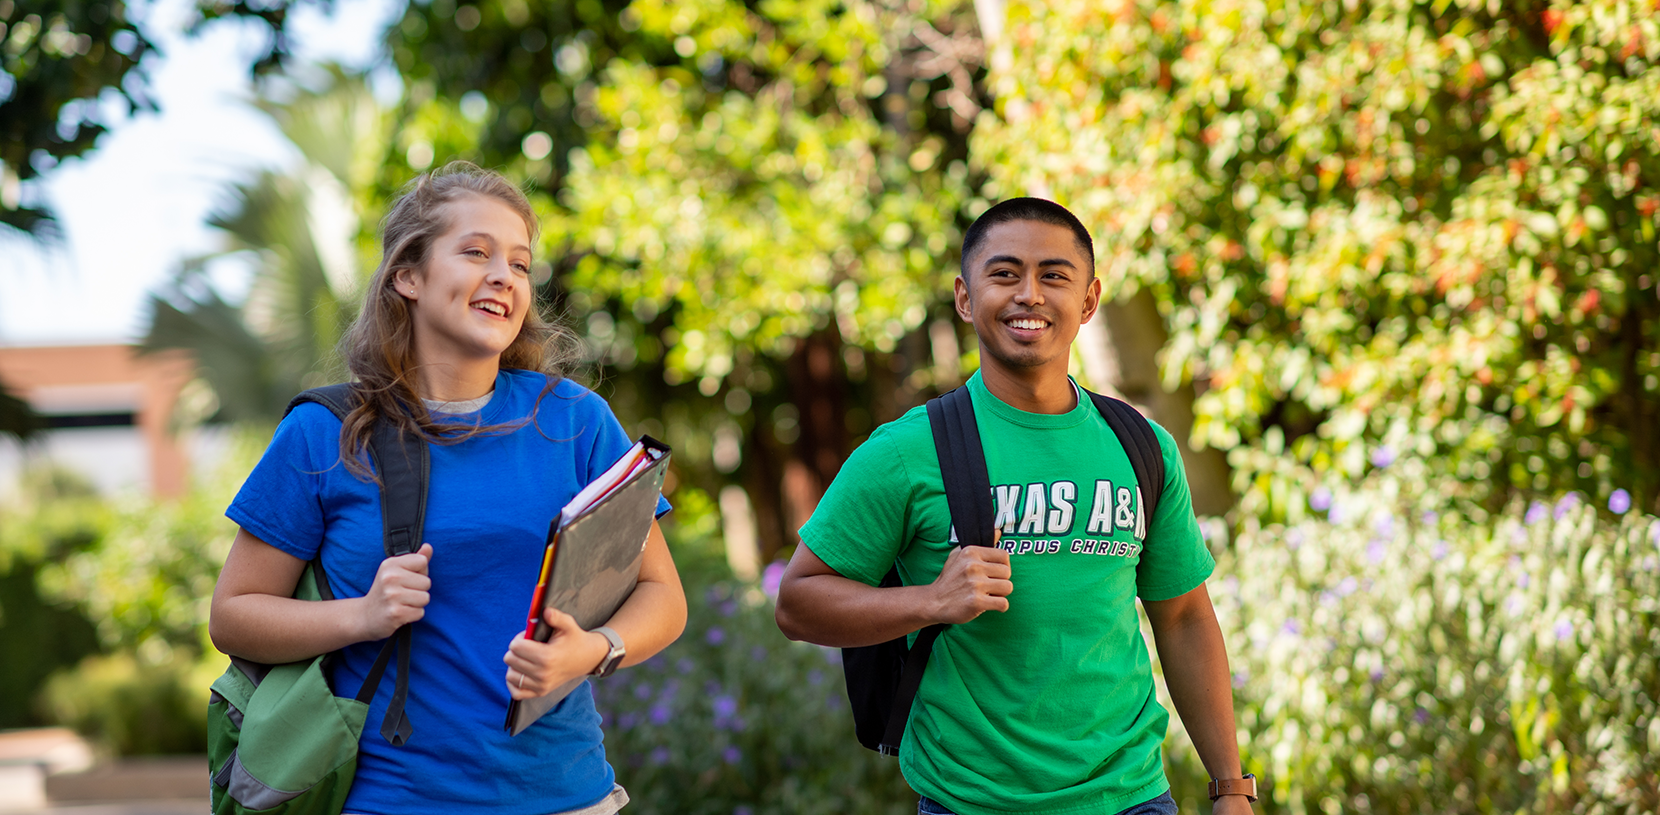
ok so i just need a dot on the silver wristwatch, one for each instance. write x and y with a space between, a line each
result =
614 657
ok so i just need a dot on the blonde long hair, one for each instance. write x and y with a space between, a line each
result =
379 348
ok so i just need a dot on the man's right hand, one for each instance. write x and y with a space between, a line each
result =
976 579
399 594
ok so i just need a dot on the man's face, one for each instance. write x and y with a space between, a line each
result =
1026 290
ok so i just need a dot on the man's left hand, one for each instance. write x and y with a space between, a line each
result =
1231 805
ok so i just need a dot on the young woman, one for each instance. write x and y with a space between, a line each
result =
449 345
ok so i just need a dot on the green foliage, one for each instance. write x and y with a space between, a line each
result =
526 62
130 706
1376 230
735 718
754 192
56 517
1389 659
129 577
60 61
17 419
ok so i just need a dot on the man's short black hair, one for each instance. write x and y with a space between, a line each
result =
1026 209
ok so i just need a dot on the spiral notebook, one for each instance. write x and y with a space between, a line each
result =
592 559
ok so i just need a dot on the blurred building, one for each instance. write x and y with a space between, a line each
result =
110 415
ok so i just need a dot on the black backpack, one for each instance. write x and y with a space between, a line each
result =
882 679
404 465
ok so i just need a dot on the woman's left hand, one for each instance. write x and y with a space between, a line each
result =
537 668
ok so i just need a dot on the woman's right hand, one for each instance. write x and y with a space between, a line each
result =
399 594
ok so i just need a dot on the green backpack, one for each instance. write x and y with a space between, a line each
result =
279 739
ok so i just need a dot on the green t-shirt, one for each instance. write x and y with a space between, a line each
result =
1049 706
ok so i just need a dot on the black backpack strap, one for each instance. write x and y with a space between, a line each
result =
968 494
403 462
1141 444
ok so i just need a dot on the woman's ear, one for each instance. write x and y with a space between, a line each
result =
403 282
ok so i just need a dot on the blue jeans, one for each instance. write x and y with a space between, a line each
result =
1162 805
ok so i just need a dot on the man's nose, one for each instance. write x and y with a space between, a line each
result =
1029 292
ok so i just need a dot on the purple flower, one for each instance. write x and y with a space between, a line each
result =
1439 550
1346 586
743 810
715 635
1376 551
1567 503
1524 581
1239 679
714 595
771 578
627 721
1564 629
727 608
1294 539
1535 513
1421 716
1429 517
685 665
1384 525
660 756
660 713
832 655
758 653
642 691
1336 515
731 755
1320 499
1620 502
1382 456
1376 674
1292 627
815 677
725 706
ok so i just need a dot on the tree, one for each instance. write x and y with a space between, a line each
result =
302 227
775 214
61 62
1390 234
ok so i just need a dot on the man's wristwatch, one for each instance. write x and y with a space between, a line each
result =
1246 786
614 657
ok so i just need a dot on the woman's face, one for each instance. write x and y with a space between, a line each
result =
470 299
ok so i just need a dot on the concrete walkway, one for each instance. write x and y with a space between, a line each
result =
52 770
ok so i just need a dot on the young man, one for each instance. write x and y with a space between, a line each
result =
1039 698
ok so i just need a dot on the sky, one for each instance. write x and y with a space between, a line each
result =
132 209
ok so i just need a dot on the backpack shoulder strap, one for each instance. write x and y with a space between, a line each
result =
404 465
962 466
402 461
968 494
1141 444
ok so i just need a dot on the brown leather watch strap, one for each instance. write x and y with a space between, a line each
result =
1246 786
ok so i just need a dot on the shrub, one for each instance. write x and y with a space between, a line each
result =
734 718
1389 659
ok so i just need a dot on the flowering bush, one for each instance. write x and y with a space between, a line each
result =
735 719
1389 659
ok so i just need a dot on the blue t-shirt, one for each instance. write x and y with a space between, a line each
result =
489 502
